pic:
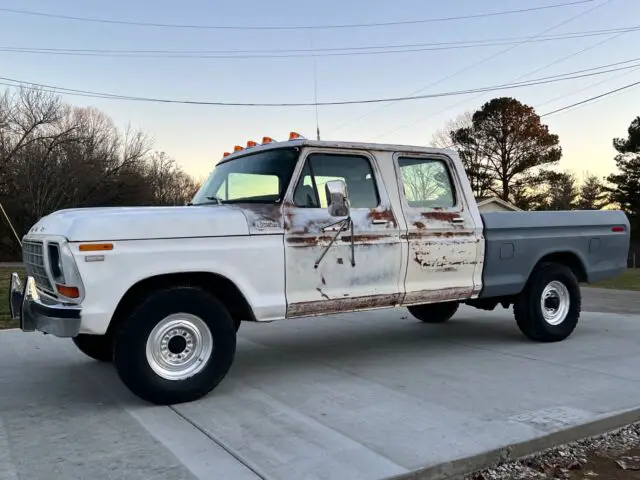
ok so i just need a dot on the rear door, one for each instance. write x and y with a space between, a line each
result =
359 270
441 232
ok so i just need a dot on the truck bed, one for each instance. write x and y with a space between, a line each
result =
594 243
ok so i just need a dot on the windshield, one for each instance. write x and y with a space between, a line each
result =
256 178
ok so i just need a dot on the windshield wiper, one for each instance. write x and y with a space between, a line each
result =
212 201
216 199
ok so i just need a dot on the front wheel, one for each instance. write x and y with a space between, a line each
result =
548 309
176 347
434 312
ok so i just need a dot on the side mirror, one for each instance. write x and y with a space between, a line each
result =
337 199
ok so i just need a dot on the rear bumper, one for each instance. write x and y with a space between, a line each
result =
35 313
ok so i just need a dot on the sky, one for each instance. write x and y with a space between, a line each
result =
197 135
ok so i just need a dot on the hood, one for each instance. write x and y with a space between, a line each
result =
140 223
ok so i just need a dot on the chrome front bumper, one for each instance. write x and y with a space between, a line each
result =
34 312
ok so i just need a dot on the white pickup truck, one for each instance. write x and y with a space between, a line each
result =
299 228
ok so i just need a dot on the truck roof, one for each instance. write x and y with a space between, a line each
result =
303 142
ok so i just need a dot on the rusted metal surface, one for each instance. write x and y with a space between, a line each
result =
434 296
428 262
262 218
440 216
385 214
442 255
326 239
338 305
426 234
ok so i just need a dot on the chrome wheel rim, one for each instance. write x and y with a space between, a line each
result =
179 346
555 303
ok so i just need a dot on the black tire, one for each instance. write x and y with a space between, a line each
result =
98 347
130 357
528 310
434 312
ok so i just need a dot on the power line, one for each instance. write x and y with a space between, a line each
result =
293 27
603 69
591 99
320 52
480 62
433 114
587 87
531 72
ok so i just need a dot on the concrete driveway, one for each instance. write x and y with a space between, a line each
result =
362 396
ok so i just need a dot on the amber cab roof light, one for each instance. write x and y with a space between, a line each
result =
295 136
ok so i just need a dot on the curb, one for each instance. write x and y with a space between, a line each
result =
456 469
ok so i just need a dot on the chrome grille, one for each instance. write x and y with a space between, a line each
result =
33 258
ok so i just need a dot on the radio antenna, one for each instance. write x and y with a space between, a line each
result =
315 84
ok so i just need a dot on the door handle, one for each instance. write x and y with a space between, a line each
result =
380 222
457 219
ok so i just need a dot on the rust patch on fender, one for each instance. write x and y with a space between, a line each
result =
262 212
419 225
349 304
435 296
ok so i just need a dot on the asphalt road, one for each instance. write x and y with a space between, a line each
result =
361 396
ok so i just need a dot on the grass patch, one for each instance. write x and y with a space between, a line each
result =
629 280
5 278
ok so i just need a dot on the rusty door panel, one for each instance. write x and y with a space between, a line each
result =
370 278
336 285
442 249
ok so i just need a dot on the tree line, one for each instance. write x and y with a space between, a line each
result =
508 152
55 156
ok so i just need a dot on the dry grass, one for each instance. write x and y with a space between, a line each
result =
629 280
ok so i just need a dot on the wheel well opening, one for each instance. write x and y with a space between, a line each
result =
223 288
570 260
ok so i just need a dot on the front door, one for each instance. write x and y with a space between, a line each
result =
442 237
330 269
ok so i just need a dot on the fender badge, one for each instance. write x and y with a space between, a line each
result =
266 224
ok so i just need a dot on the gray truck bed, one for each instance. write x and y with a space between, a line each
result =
516 241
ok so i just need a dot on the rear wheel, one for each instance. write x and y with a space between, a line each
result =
176 346
98 347
548 309
434 312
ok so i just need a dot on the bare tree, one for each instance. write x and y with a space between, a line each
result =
55 156
470 153
169 183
